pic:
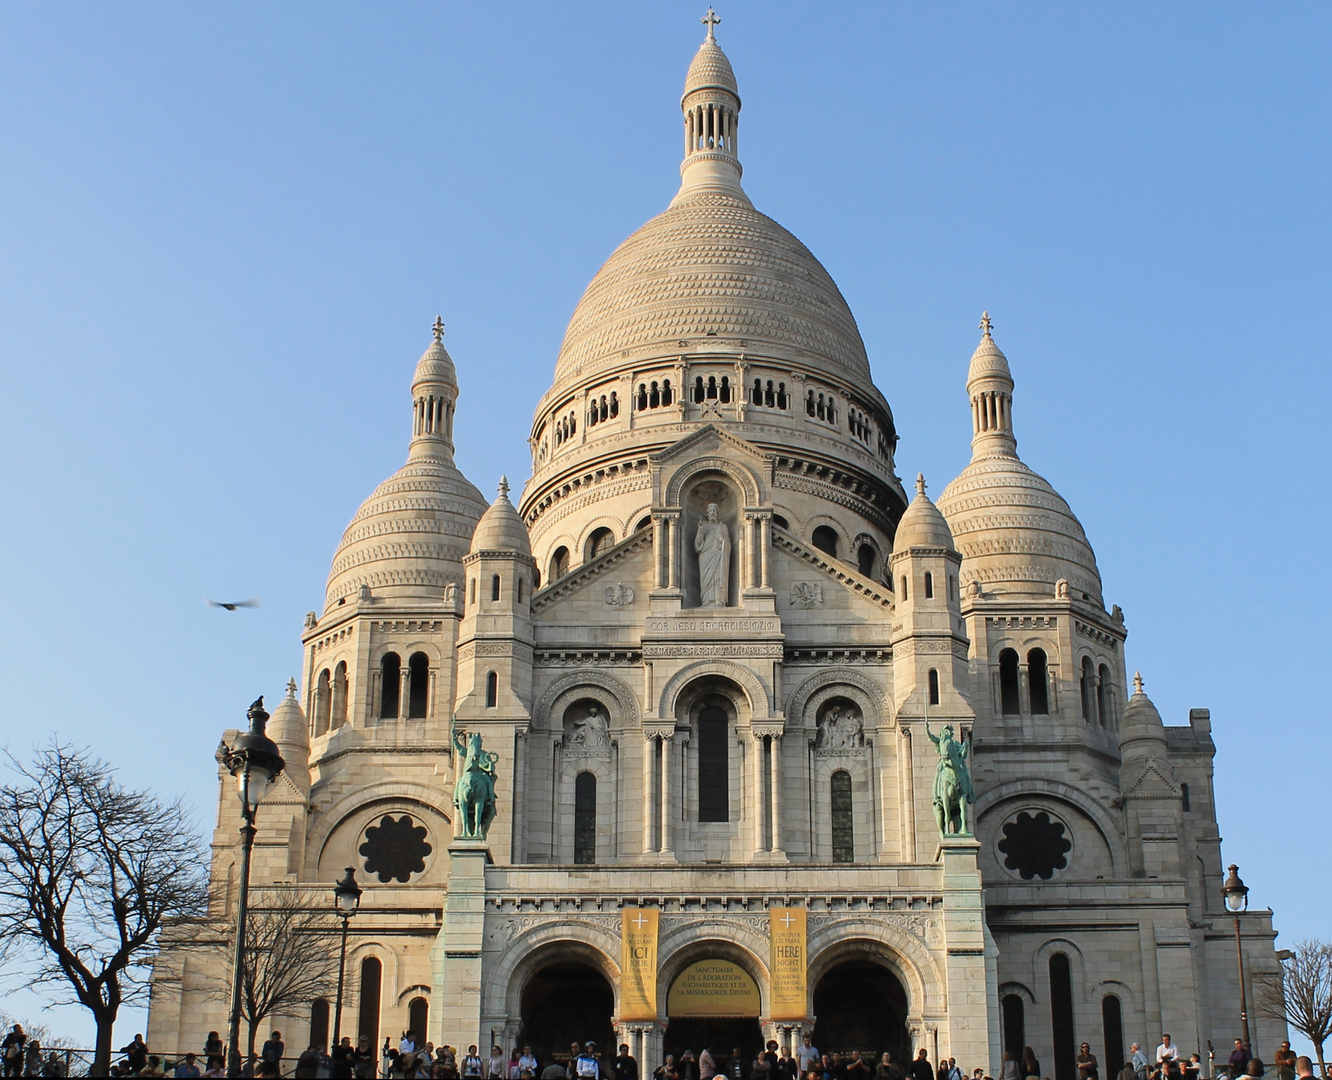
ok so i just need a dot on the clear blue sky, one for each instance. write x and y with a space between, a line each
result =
225 230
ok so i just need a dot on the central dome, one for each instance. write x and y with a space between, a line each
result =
712 267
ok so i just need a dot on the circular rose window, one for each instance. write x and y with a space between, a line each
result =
395 848
1035 845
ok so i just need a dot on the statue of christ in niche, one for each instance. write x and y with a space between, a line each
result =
713 544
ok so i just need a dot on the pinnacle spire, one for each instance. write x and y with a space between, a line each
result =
711 107
711 19
291 688
1137 682
439 329
985 324
504 487
920 483
990 386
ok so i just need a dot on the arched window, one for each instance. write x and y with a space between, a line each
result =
654 396
929 585
390 683
367 1023
865 556
643 523
418 1018
642 402
1088 678
319 1023
1112 1023
666 398
471 588
904 587
843 839
952 587
339 694
1103 696
418 683
559 564
600 542
781 522
714 779
1014 1011
492 689
934 687
1061 1018
323 702
1009 702
518 589
825 539
585 818
725 392
809 403
494 587
1184 798
1038 682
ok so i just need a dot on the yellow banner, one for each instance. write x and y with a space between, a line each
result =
638 963
713 988
786 929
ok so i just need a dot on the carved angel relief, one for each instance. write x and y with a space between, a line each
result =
806 594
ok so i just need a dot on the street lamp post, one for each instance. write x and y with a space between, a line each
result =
347 896
1237 901
255 763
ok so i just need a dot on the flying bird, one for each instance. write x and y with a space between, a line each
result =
236 604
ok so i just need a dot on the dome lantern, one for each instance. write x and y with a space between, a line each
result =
990 384
434 398
711 107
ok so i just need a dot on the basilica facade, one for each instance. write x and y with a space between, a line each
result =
718 651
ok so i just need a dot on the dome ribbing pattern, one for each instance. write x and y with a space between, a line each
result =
712 265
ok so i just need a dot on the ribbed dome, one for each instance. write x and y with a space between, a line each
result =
409 538
287 726
712 265
500 528
1141 730
922 525
435 366
1015 533
710 70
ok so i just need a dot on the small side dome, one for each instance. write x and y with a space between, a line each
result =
922 525
288 727
1141 731
500 527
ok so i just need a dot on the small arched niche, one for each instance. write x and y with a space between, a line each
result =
706 552
586 726
841 725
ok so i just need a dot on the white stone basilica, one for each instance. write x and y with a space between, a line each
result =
705 645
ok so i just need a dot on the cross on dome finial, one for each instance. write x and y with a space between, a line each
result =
920 483
985 323
710 20
439 329
291 688
1137 682
504 487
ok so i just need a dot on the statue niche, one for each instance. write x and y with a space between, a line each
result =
840 726
710 545
586 726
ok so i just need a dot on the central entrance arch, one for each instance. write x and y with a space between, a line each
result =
860 1005
714 1004
564 1002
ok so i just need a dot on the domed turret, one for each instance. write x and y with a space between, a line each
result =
1141 730
289 729
1017 536
922 524
409 538
500 528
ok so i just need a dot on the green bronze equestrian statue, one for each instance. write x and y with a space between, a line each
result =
952 782
474 794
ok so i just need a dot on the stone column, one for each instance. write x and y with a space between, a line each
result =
649 789
672 543
666 808
765 545
659 550
907 772
405 691
756 785
775 793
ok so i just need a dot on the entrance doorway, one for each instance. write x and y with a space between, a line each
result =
860 1005
714 1004
567 1002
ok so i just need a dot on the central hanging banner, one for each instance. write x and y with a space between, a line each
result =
786 930
638 963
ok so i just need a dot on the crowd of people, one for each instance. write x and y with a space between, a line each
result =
416 1059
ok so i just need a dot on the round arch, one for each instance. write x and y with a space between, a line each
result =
396 792
993 798
907 953
756 694
751 487
810 694
562 693
595 944
712 939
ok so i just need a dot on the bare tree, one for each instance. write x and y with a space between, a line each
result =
1301 995
90 872
290 958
